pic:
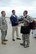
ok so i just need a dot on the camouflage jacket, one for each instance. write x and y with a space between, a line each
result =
3 23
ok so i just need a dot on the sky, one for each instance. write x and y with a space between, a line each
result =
19 6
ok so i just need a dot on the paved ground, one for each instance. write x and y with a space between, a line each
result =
14 47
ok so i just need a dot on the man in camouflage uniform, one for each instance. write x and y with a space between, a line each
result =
3 27
25 37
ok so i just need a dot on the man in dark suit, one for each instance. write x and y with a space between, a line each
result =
14 23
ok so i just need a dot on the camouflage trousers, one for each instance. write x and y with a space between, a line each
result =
25 38
3 34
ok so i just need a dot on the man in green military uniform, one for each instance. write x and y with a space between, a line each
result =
3 27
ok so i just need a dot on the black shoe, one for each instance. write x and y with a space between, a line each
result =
21 44
5 40
13 39
18 38
35 37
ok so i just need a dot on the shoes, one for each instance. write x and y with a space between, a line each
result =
25 46
35 37
5 40
3 43
13 39
18 38
21 44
